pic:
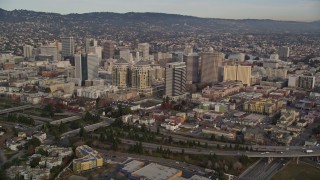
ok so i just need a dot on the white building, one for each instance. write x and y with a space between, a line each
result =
50 50
93 92
27 51
93 66
67 46
144 49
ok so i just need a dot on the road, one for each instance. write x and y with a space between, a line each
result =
88 128
289 153
9 110
65 120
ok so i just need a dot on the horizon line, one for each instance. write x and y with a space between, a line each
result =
63 14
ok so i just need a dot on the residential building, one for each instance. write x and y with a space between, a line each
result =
141 77
144 49
306 82
121 74
284 52
222 89
27 51
262 106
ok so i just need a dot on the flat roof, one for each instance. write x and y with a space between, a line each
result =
133 165
156 172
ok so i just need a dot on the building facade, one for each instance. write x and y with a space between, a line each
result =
121 74
237 73
67 46
210 67
192 62
175 80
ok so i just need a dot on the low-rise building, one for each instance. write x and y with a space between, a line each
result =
88 158
218 133
156 172
262 106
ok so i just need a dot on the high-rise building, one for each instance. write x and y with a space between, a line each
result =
274 56
108 50
306 82
81 67
96 50
193 63
175 76
144 49
284 52
121 74
87 44
50 50
27 51
238 73
93 66
141 77
241 57
211 63
67 46
125 54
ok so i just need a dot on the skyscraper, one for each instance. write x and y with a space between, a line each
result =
121 74
108 50
96 50
175 87
284 52
210 67
144 49
67 46
27 51
93 66
238 73
81 67
192 62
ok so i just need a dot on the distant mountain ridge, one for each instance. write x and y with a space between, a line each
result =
102 23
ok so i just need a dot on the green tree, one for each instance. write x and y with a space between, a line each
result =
35 162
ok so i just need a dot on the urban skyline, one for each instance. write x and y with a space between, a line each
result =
295 10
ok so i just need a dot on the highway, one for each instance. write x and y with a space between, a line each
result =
9 110
65 120
88 128
288 153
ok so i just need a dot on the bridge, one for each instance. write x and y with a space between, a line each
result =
19 108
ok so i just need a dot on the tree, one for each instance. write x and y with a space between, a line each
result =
182 151
35 162
170 140
246 57
237 166
158 130
83 132
213 137
42 152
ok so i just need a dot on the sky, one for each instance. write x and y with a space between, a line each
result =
295 10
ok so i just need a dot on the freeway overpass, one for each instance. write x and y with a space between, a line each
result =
88 128
19 108
65 120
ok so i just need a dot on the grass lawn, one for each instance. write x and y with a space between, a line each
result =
299 171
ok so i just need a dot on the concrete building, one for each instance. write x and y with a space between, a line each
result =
271 64
96 50
175 80
210 67
262 106
144 48
126 55
284 52
156 172
27 51
293 81
222 89
93 92
50 50
193 63
238 73
67 46
306 82
274 56
108 49
121 74
276 74
141 77
93 65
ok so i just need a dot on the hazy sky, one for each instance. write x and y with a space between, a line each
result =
300 10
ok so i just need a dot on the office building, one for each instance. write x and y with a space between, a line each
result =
293 80
276 74
67 46
237 73
81 67
27 51
241 57
274 57
108 50
175 80
141 77
93 66
50 50
96 50
210 67
193 63
144 50
121 74
126 54
284 52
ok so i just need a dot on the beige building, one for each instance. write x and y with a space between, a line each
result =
141 77
238 73
120 74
